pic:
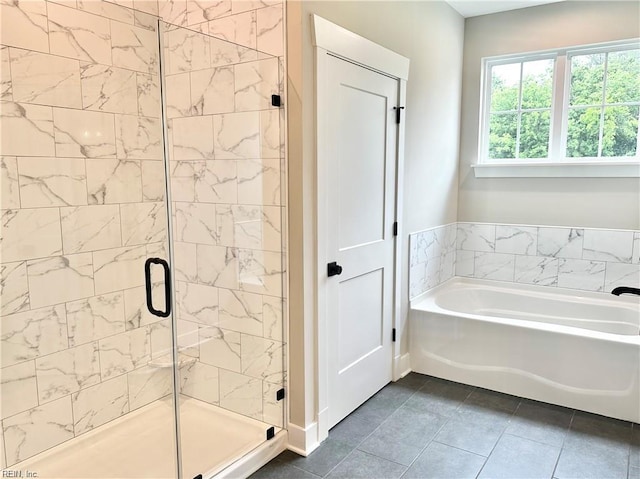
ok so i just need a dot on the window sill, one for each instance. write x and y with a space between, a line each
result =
558 170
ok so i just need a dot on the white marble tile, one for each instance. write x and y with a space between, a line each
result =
60 278
3 457
24 25
48 182
114 181
516 239
192 139
199 11
178 96
218 266
161 338
270 30
212 91
143 223
413 249
538 270
427 246
136 313
183 179
9 188
560 242
270 134
84 134
261 358
240 311
14 288
27 130
148 90
220 348
476 237
30 233
19 389
621 274
260 272
148 384
255 82
226 53
119 268
273 410
242 394
33 431
635 257
447 266
99 404
197 303
107 9
252 227
45 79
67 371
272 317
237 136
147 6
433 273
185 262
496 266
173 11
153 177
77 34
239 29
95 318
124 352
216 182
134 48
581 274
195 223
109 89
238 6
608 245
188 340
138 138
188 51
417 279
259 182
33 334
90 228
200 381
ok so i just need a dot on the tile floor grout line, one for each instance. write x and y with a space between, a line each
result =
568 431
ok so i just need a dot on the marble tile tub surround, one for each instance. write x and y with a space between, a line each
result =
80 168
586 259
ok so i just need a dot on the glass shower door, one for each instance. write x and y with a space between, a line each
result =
224 152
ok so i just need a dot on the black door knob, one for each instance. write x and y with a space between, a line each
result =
333 269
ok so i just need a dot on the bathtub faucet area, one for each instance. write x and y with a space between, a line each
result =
625 290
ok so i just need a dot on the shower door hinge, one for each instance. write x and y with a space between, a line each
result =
395 228
280 394
393 335
276 100
397 109
271 432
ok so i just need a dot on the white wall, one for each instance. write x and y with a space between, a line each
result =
587 202
431 35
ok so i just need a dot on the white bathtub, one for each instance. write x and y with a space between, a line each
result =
572 348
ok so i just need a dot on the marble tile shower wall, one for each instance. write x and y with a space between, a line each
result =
81 200
584 259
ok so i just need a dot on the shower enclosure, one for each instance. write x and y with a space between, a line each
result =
141 257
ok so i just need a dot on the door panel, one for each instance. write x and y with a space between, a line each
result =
361 206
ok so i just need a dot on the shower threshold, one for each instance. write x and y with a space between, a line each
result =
141 444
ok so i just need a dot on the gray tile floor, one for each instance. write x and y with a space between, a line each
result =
424 427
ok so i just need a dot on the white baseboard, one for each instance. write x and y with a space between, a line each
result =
401 366
303 441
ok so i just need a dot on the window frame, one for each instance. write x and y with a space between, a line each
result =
559 114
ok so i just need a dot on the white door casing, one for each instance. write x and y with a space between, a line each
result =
329 38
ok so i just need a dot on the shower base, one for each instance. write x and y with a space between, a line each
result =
141 444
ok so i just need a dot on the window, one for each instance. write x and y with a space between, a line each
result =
566 106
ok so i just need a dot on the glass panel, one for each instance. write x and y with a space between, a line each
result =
502 135
583 132
226 210
534 134
623 77
537 84
87 389
505 87
620 135
587 79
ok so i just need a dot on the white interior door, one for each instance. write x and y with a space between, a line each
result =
361 181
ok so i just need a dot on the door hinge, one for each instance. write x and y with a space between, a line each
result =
393 335
397 109
395 228
271 432
276 100
280 394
